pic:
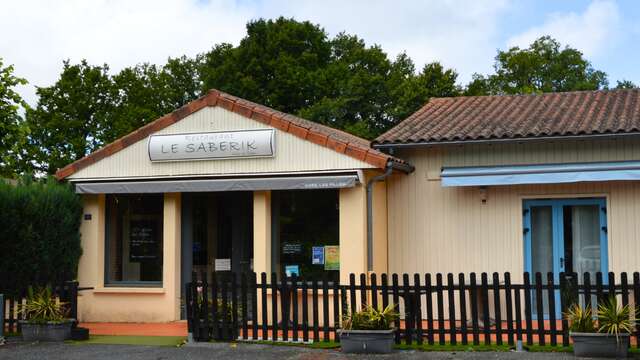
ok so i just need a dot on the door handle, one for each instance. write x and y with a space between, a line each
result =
562 263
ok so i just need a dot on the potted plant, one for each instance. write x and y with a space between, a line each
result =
608 337
369 330
45 317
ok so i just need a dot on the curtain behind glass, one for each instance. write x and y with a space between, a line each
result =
586 239
541 248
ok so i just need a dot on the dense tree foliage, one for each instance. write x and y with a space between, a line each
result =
71 116
12 129
39 234
625 84
145 92
88 108
543 67
289 65
296 68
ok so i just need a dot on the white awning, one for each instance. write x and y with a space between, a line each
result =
540 174
227 184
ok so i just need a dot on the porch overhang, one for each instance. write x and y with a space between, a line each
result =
540 174
335 181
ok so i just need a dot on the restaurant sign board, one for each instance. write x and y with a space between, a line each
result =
212 145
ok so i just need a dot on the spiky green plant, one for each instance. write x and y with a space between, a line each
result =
613 318
580 320
371 318
42 307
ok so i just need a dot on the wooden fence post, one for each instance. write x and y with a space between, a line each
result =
1 316
452 309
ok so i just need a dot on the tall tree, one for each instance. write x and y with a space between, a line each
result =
433 81
356 91
294 67
625 84
71 116
542 67
12 128
277 64
146 92
87 108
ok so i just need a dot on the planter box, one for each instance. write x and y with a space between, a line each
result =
600 345
367 341
46 332
206 332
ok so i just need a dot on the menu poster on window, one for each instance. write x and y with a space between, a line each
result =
332 257
317 255
292 248
143 243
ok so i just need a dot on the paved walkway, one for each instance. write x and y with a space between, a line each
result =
60 351
178 328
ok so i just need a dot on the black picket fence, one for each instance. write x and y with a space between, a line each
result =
435 309
67 293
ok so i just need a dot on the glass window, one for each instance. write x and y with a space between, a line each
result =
134 239
306 233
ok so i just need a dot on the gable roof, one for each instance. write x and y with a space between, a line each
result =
331 138
473 118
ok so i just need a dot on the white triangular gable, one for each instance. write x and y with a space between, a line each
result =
292 154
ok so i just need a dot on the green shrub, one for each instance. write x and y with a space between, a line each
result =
371 318
39 234
580 320
614 319
42 307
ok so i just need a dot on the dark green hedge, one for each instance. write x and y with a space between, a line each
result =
39 234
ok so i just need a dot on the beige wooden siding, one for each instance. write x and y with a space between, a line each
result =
292 154
542 152
434 229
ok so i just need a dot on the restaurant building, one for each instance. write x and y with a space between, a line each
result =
223 184
470 184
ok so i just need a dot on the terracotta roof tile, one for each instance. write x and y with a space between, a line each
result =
520 116
333 139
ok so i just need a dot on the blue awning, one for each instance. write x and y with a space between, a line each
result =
540 174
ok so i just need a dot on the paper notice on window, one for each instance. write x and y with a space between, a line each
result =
290 270
223 265
332 257
317 255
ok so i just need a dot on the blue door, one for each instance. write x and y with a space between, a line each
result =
565 235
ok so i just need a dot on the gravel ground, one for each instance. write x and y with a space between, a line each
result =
54 351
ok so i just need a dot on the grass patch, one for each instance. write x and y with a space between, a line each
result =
448 347
132 340
547 348
451 347
315 345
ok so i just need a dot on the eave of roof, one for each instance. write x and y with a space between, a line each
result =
336 140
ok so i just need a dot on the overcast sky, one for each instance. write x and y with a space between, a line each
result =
36 36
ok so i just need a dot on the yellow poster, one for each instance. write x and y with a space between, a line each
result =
332 257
